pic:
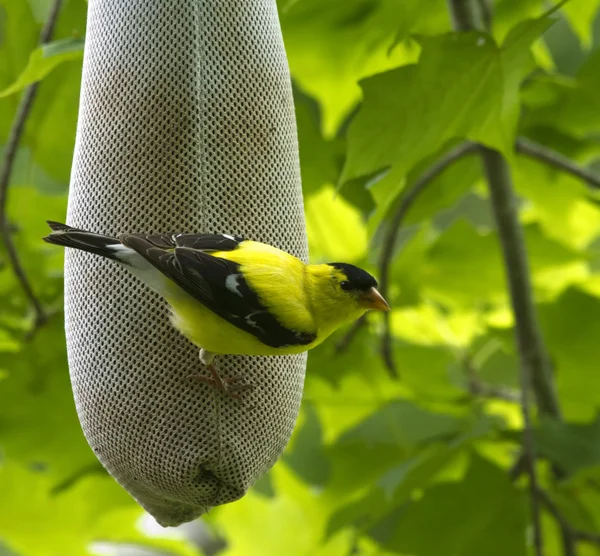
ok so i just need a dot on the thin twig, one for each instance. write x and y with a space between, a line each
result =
406 202
486 13
347 339
576 534
10 153
478 387
556 160
483 390
586 536
518 467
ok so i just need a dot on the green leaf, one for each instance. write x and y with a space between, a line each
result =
96 509
392 491
508 14
40 9
558 202
581 15
436 201
319 157
43 60
58 94
572 446
335 228
446 189
399 483
36 404
26 172
573 507
393 488
496 366
306 456
480 81
292 523
49 136
571 327
388 427
434 384
326 363
42 263
482 514
463 267
473 277
18 37
576 108
405 271
349 40
386 438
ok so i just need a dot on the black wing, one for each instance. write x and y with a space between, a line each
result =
216 283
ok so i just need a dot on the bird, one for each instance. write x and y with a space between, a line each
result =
235 296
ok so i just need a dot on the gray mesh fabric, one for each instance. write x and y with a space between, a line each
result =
186 124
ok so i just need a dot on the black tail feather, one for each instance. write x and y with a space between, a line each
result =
80 239
58 227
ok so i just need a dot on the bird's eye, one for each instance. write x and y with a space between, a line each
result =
345 285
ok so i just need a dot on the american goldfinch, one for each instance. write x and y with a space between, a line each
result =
229 295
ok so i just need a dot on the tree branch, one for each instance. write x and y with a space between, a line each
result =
406 202
10 153
556 160
463 14
566 528
535 363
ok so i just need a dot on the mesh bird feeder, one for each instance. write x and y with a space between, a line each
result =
187 124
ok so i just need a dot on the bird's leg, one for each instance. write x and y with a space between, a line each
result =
232 387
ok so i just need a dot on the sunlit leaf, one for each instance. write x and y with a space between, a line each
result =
350 39
266 525
18 37
66 522
559 203
335 228
45 59
581 15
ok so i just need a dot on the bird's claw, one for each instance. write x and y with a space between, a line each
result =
233 387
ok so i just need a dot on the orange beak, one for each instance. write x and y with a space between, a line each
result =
372 299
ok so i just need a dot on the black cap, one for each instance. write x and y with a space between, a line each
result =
358 278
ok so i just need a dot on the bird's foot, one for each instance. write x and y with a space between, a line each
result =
233 387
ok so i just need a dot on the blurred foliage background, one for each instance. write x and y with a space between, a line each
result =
411 460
